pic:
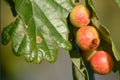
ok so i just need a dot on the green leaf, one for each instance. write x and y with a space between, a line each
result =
41 28
12 7
79 70
118 2
6 34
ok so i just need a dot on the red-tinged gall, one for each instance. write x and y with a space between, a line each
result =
87 38
101 62
80 16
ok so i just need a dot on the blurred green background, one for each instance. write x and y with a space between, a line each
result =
15 68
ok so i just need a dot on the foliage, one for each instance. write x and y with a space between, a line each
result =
42 26
39 29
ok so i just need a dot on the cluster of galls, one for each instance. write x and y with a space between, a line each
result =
87 38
